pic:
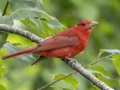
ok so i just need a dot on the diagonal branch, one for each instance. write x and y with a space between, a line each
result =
71 62
76 66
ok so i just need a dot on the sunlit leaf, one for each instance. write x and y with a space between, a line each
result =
47 30
69 79
37 22
33 18
24 14
6 20
102 51
2 87
116 62
12 49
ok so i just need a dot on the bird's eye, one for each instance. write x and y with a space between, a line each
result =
83 24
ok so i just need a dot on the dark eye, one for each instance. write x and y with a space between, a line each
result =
83 24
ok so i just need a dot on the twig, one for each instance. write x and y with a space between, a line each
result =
5 9
98 60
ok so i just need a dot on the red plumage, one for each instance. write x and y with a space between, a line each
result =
66 44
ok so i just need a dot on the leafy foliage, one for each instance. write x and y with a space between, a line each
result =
69 79
115 57
32 17
2 87
103 75
36 16
116 62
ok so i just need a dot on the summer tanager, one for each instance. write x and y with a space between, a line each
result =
64 45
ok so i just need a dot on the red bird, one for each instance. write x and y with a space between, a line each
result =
66 44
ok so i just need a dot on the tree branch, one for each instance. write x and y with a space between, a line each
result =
71 62
76 66
22 32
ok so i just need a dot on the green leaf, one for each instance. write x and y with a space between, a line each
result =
42 13
29 23
17 4
34 18
58 76
13 49
27 12
20 14
116 62
3 38
101 69
65 89
24 14
51 21
1 68
61 88
69 79
47 30
6 20
37 22
2 87
112 51
54 23
28 19
103 75
102 51
2 6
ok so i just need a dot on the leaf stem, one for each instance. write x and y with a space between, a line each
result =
98 60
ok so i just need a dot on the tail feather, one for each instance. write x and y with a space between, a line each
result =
19 53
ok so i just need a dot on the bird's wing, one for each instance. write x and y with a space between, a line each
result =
58 42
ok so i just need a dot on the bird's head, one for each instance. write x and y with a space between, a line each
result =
86 25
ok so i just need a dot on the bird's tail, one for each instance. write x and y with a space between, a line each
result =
19 53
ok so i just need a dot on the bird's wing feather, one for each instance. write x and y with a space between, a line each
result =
58 42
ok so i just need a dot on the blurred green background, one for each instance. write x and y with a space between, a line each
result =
20 75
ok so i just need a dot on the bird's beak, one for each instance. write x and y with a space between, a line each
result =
93 23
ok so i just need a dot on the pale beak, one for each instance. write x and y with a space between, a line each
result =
93 23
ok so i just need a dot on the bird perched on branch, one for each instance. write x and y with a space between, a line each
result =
64 45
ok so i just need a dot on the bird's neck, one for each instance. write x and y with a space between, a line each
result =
83 36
